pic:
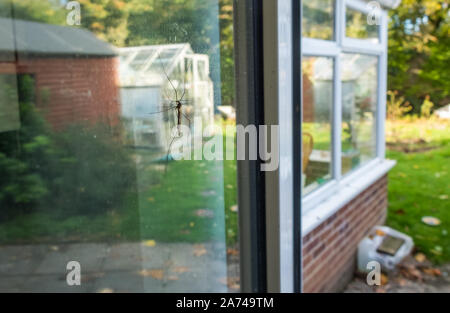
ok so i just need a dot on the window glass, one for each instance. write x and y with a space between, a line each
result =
359 102
318 19
357 26
90 146
316 126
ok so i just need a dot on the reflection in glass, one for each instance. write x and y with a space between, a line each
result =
316 126
359 102
318 19
356 26
87 151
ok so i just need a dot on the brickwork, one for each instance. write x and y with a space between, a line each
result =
72 89
329 251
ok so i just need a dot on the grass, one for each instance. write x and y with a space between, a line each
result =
419 184
190 202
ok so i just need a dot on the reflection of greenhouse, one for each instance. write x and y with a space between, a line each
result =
146 91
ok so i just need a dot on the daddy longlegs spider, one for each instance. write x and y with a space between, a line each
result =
177 105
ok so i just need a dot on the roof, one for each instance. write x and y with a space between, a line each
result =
40 38
144 65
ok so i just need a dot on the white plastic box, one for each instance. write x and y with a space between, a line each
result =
367 249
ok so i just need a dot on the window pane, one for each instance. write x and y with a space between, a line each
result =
357 26
90 146
318 19
359 102
316 126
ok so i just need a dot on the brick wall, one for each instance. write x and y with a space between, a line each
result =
73 89
329 251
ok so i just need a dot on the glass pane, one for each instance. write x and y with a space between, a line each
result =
357 26
318 19
317 121
359 102
96 165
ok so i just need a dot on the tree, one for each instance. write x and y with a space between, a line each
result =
419 58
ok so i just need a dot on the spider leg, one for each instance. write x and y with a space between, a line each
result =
168 152
189 121
184 84
165 110
167 76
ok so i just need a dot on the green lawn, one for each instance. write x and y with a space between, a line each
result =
419 185
192 201
182 201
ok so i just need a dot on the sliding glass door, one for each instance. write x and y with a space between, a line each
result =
118 171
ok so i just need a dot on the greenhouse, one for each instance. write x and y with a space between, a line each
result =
152 78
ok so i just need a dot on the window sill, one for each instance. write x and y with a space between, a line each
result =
347 190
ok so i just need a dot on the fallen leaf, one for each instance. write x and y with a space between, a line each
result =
172 277
428 271
191 224
384 279
231 251
181 269
410 272
402 282
149 243
380 233
151 199
437 272
400 212
156 274
234 208
105 290
420 257
199 250
443 197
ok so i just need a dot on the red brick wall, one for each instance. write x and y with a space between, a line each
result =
329 251
73 89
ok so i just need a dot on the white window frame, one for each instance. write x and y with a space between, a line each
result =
333 49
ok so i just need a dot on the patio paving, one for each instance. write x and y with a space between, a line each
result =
117 267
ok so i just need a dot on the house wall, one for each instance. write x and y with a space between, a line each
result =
329 251
72 89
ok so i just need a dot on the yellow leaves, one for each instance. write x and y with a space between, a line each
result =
230 282
149 243
420 257
154 273
151 199
383 279
233 252
199 250
181 269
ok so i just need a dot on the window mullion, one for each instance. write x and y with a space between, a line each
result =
382 89
337 119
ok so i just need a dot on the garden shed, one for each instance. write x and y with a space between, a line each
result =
65 64
151 77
